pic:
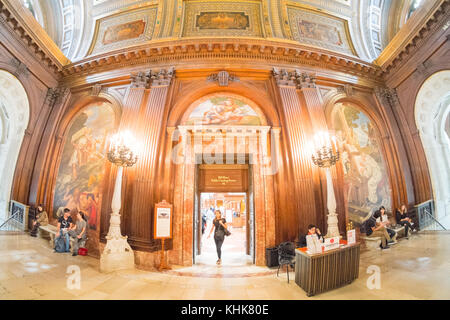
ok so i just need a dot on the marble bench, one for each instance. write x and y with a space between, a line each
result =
51 231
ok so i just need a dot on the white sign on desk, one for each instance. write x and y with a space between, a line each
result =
331 243
163 229
351 236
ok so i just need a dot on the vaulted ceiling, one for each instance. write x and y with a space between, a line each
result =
360 28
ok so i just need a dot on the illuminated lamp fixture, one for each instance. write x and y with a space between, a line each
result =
118 254
325 155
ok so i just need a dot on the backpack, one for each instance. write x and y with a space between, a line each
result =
60 245
364 226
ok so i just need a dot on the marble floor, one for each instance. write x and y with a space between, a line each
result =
412 269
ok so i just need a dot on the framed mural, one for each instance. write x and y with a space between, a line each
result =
366 182
223 110
222 18
81 169
124 29
318 29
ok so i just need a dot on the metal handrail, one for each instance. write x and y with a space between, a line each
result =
423 203
433 218
12 217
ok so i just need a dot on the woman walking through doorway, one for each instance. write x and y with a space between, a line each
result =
219 227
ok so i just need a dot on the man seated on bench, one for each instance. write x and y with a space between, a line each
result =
64 225
78 232
381 217
375 229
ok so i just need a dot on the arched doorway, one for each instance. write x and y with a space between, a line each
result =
224 159
431 111
14 116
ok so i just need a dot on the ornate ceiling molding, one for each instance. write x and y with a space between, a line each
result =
185 51
21 22
406 43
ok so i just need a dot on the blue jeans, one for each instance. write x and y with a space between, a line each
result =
66 239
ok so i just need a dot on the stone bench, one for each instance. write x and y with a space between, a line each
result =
51 231
371 242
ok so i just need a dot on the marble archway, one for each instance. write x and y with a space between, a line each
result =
431 110
14 116
245 134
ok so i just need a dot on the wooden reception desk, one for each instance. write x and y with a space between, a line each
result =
317 273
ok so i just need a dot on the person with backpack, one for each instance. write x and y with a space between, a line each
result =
78 232
62 232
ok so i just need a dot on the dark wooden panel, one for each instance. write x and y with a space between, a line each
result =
223 180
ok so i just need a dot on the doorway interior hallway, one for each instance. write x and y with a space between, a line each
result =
234 209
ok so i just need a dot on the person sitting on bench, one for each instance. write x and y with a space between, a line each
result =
78 232
312 229
64 225
41 220
375 229
401 215
382 217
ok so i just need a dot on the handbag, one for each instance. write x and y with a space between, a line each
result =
227 233
82 252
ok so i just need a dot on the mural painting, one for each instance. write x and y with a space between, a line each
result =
319 32
223 111
366 184
129 30
222 20
81 170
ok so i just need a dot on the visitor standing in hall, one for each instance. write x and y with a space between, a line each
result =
219 227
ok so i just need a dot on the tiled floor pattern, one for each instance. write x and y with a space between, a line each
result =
413 269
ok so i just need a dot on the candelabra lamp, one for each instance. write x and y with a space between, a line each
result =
325 155
118 254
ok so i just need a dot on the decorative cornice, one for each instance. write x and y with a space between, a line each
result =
403 47
186 51
295 78
223 78
21 22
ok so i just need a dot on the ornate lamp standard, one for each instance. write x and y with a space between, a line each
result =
118 254
325 156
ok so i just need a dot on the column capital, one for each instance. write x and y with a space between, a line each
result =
387 95
294 78
139 80
161 78
56 95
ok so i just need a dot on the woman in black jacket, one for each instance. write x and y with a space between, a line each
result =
219 227
401 215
